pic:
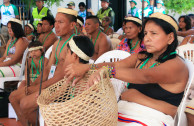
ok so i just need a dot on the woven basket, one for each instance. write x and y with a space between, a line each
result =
64 105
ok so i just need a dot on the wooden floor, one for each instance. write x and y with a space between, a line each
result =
9 122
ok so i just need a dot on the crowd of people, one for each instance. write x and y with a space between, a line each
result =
155 73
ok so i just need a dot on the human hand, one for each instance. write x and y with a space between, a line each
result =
76 71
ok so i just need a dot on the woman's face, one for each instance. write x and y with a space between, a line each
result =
39 28
36 54
10 30
182 23
155 39
132 30
28 30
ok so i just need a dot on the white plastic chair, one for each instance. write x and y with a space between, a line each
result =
113 56
48 52
20 77
186 51
180 118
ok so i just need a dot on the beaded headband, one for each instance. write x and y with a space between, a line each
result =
31 26
67 11
78 21
35 48
134 19
77 51
165 18
16 21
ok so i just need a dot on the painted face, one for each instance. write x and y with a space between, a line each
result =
90 26
39 28
182 23
10 30
46 26
27 30
36 54
104 4
155 39
132 30
62 25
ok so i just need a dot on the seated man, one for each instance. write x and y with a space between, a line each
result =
79 26
65 22
29 29
48 37
39 30
105 24
99 39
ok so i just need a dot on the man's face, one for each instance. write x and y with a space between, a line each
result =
104 4
6 1
62 25
39 28
46 27
71 7
81 8
39 4
90 26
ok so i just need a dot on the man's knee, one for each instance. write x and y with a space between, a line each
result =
13 96
26 106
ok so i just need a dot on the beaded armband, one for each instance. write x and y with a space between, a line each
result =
93 66
111 71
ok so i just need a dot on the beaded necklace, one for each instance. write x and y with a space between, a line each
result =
10 45
57 60
33 66
96 38
45 38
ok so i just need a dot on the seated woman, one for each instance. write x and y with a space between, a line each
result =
184 23
157 76
29 29
133 43
10 62
34 62
188 39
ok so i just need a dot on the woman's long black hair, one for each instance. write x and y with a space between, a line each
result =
17 29
187 21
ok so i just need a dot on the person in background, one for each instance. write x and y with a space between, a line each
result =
188 39
39 30
10 62
133 43
159 7
48 37
184 23
133 10
82 10
7 11
105 24
147 11
71 5
151 6
120 31
105 11
99 39
38 13
192 20
29 29
79 26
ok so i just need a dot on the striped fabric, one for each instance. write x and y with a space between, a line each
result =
10 71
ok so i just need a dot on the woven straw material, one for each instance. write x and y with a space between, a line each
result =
64 105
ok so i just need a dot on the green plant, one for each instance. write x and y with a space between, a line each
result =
32 3
179 6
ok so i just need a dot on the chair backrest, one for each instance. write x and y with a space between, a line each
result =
23 64
48 52
180 119
186 51
113 56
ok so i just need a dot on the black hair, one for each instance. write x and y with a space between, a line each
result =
82 4
35 44
17 29
50 20
94 18
84 44
81 19
140 35
168 28
187 21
